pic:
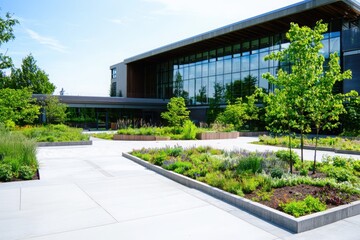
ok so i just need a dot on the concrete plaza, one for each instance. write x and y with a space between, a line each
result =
92 192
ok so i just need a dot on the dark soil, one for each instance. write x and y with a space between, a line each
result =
331 196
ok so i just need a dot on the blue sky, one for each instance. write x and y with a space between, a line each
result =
76 41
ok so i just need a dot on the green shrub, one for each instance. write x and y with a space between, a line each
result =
174 151
304 172
284 155
214 179
249 184
158 158
252 164
233 186
26 172
6 173
276 173
356 165
106 136
301 208
340 174
189 130
178 167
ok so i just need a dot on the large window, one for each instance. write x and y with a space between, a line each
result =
228 66
113 73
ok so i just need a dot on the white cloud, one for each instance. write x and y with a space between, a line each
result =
117 21
47 41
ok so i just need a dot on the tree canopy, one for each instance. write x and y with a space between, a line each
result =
30 76
16 105
304 97
6 34
55 111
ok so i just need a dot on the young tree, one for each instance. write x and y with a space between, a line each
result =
326 106
279 115
306 69
55 111
177 112
17 106
30 76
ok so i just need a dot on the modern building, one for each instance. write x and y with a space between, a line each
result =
230 60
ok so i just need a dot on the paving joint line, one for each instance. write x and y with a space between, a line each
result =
96 202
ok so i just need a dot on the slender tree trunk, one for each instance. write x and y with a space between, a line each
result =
302 145
316 143
291 165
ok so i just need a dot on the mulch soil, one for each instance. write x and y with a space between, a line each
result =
331 196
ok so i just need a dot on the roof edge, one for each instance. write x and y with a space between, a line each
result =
265 17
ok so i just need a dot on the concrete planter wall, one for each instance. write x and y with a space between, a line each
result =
216 135
125 137
60 144
284 220
333 150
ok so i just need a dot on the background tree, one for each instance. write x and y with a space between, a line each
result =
18 106
30 76
351 119
179 87
6 34
113 89
240 88
215 102
239 113
55 111
177 112
201 96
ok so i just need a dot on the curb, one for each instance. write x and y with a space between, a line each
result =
281 219
61 144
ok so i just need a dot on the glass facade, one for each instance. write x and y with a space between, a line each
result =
235 69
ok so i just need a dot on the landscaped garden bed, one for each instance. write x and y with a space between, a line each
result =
17 157
262 178
56 135
336 144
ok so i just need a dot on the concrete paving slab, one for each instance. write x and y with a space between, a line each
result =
91 192
26 224
67 197
194 224
9 200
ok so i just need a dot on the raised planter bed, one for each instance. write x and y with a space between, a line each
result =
139 137
284 220
60 144
252 134
216 135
